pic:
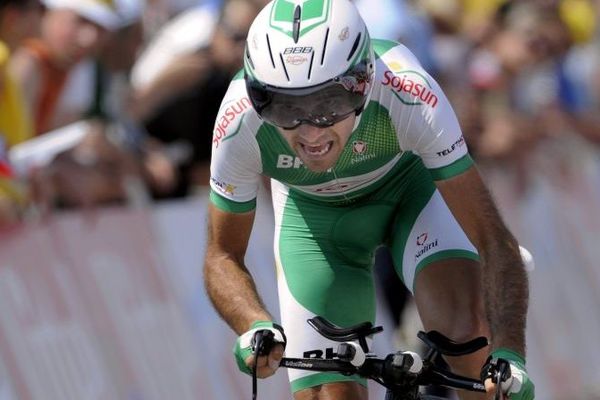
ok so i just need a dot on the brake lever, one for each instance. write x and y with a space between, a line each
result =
262 342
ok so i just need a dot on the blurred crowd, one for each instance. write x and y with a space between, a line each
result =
113 101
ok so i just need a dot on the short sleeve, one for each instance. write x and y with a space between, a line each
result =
235 161
423 117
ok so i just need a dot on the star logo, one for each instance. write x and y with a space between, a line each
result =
229 189
344 34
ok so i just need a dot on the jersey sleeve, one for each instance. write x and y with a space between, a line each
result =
235 161
423 117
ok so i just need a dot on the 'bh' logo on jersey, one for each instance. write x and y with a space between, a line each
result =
359 147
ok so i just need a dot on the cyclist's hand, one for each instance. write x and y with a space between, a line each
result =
516 385
267 364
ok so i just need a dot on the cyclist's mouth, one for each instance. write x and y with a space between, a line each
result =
316 150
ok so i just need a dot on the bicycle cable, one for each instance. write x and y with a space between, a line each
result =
499 374
257 344
502 373
262 342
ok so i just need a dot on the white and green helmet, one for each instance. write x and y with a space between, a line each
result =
308 61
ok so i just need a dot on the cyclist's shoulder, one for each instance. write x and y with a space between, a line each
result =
390 55
236 115
399 71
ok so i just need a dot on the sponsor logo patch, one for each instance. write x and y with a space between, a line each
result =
298 50
344 34
227 119
459 143
359 152
359 147
411 88
296 59
421 239
285 161
329 353
425 246
224 187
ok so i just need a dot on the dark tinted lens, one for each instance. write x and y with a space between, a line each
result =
259 96
322 108
323 105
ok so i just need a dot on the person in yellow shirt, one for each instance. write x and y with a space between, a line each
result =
18 19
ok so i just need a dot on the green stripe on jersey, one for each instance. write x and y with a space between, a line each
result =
382 46
231 206
449 171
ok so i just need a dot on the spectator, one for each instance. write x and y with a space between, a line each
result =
72 30
18 19
100 166
113 92
186 33
180 104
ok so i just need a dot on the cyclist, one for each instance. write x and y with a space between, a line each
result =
363 149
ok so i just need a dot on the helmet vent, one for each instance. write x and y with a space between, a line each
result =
297 18
270 52
284 68
248 57
324 47
312 57
354 47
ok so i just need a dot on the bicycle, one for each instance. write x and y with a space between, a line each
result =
403 373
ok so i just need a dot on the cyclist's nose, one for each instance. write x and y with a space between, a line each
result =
310 133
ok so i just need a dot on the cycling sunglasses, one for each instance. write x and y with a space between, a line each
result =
322 105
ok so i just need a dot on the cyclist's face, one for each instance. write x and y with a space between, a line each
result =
319 148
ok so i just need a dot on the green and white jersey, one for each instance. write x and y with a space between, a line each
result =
407 115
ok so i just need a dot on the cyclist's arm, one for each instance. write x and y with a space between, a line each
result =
505 282
228 282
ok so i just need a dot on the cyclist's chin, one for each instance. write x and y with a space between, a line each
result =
318 166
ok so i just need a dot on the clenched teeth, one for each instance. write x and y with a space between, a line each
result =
317 150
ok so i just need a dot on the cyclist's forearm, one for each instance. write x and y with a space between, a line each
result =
233 292
506 291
